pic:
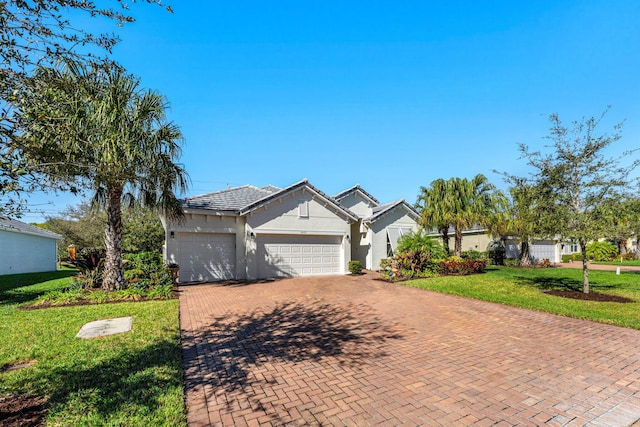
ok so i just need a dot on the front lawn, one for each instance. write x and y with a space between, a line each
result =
128 379
525 288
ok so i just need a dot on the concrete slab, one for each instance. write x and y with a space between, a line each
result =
101 328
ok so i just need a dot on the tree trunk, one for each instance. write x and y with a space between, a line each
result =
623 246
113 271
525 256
585 268
445 240
458 242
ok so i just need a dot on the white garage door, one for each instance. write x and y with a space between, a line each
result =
206 256
542 250
287 256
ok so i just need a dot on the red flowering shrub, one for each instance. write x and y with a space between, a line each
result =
462 267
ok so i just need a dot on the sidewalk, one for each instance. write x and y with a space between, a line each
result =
578 264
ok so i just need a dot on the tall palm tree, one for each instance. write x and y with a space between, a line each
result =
436 205
459 203
520 219
95 128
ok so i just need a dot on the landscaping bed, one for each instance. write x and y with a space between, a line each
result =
48 376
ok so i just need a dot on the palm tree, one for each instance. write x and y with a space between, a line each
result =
520 220
437 207
95 128
459 203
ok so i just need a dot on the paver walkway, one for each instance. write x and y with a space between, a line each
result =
355 351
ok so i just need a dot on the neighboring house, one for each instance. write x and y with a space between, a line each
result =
26 249
256 233
253 233
473 239
478 239
375 235
551 249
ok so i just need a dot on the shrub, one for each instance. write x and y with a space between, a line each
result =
566 258
576 256
511 262
545 263
147 262
418 241
496 252
455 267
601 251
355 267
413 262
385 264
472 254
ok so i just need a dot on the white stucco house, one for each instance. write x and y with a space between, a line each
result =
26 249
253 233
375 235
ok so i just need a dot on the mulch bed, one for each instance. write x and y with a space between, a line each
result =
18 410
174 295
591 296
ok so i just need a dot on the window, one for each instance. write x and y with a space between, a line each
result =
303 209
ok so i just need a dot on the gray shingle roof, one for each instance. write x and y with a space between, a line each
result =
232 199
16 226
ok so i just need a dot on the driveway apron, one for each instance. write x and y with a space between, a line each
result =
355 351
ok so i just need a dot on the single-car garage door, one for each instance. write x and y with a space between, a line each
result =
542 250
287 255
206 256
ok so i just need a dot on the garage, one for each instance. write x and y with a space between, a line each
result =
291 255
543 250
206 256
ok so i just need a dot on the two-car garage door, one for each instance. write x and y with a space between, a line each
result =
212 256
294 255
206 256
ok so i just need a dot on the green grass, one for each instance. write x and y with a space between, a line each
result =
524 288
627 262
128 379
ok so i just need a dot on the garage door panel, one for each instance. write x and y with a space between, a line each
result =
286 256
206 256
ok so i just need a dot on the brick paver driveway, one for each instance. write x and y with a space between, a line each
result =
356 351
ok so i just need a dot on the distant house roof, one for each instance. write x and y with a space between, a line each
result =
355 189
379 211
16 226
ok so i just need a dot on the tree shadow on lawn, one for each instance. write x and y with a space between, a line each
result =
571 288
11 291
242 351
133 381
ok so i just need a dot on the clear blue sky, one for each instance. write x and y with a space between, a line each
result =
390 95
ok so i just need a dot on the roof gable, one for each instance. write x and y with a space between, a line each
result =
304 185
381 210
16 226
356 189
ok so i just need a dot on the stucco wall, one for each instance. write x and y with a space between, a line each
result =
25 253
396 217
476 242
356 204
282 217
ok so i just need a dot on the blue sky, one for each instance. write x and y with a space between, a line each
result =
390 95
